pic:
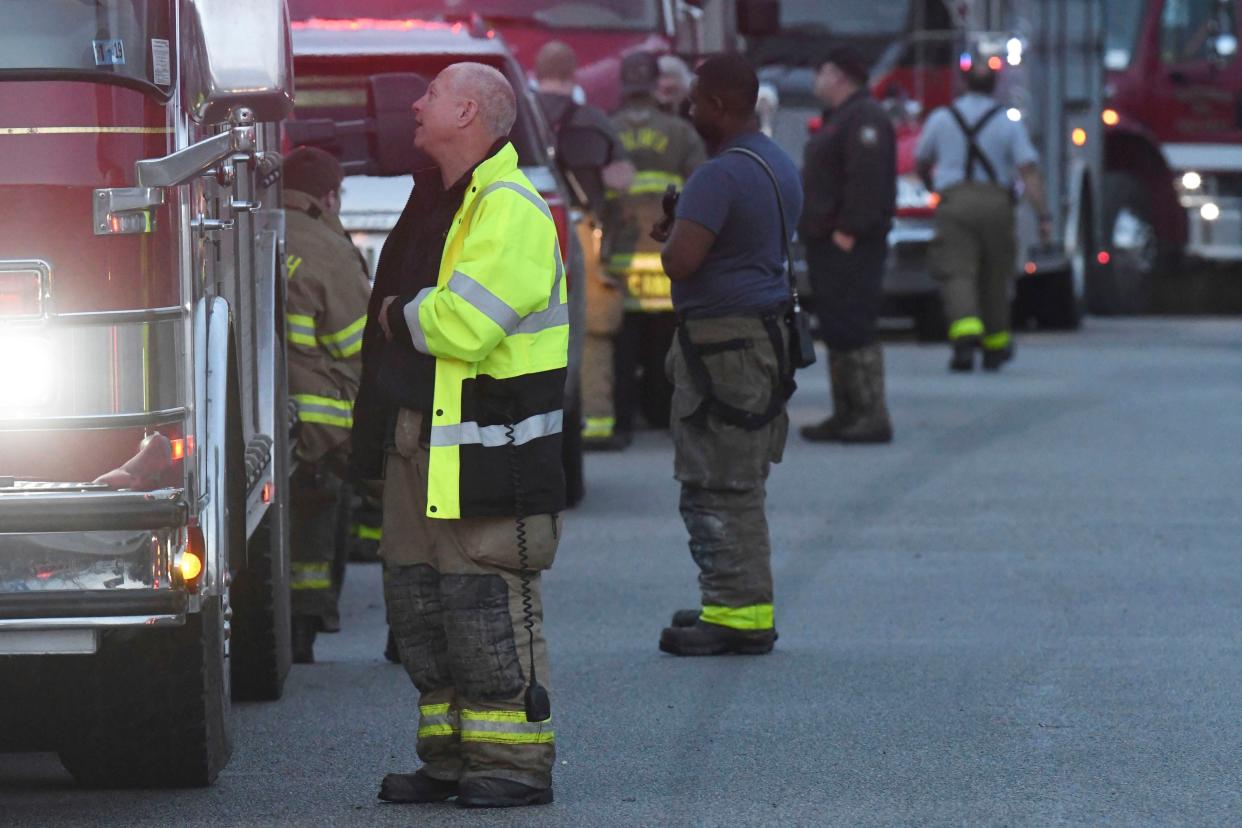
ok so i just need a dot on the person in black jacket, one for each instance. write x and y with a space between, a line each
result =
850 178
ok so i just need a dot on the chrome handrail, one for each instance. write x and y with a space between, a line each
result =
165 416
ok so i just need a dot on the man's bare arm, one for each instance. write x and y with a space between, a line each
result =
688 245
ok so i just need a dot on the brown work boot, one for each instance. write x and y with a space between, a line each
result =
417 788
703 639
842 414
865 386
490 792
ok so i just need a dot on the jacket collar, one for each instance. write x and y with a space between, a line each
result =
502 161
313 207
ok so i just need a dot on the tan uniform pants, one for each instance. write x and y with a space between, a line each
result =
455 605
973 257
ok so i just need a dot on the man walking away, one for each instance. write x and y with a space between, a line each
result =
850 174
971 153
595 141
472 351
730 364
665 149
326 311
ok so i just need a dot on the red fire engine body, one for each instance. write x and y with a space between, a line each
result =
144 428
1173 143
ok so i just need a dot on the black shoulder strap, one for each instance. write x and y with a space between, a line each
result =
974 154
567 116
780 207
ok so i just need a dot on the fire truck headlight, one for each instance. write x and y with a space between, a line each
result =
1209 211
1192 180
1014 114
26 367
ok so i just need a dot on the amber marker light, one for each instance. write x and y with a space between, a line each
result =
1079 137
267 492
995 63
189 563
1110 117
178 449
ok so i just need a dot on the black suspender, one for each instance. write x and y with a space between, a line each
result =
974 154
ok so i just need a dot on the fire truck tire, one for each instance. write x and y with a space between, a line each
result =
571 455
151 708
1124 286
260 647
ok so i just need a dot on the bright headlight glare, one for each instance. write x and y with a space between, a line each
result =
25 370
1209 212
1014 114
1192 180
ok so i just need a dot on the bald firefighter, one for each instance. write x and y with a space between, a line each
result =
665 149
326 312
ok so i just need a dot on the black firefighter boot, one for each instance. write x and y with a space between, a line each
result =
865 384
417 788
704 639
994 358
304 628
963 361
842 414
492 792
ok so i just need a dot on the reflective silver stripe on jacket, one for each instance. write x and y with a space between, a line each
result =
472 434
410 311
484 301
523 192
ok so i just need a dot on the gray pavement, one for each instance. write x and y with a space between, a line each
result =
1024 612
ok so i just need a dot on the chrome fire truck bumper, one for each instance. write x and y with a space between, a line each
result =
74 561
1214 225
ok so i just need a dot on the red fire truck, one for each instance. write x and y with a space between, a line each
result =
144 428
1173 145
600 32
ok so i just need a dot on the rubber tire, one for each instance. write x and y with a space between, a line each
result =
572 454
151 708
1116 289
261 645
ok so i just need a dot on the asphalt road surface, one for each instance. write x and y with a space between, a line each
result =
1024 612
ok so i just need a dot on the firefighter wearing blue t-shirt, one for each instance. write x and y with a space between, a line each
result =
729 362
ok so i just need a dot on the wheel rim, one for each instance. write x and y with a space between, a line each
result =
1134 242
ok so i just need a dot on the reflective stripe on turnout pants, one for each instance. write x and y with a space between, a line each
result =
723 469
316 553
974 257
455 607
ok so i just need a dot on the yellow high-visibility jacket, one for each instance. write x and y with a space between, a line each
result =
497 323
326 310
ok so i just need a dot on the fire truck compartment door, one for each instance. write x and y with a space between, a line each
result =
239 55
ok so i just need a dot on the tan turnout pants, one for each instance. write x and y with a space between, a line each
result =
974 256
455 605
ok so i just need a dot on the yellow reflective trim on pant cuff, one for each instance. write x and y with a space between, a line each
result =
368 532
598 427
997 341
311 584
434 709
431 731
966 326
753 617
